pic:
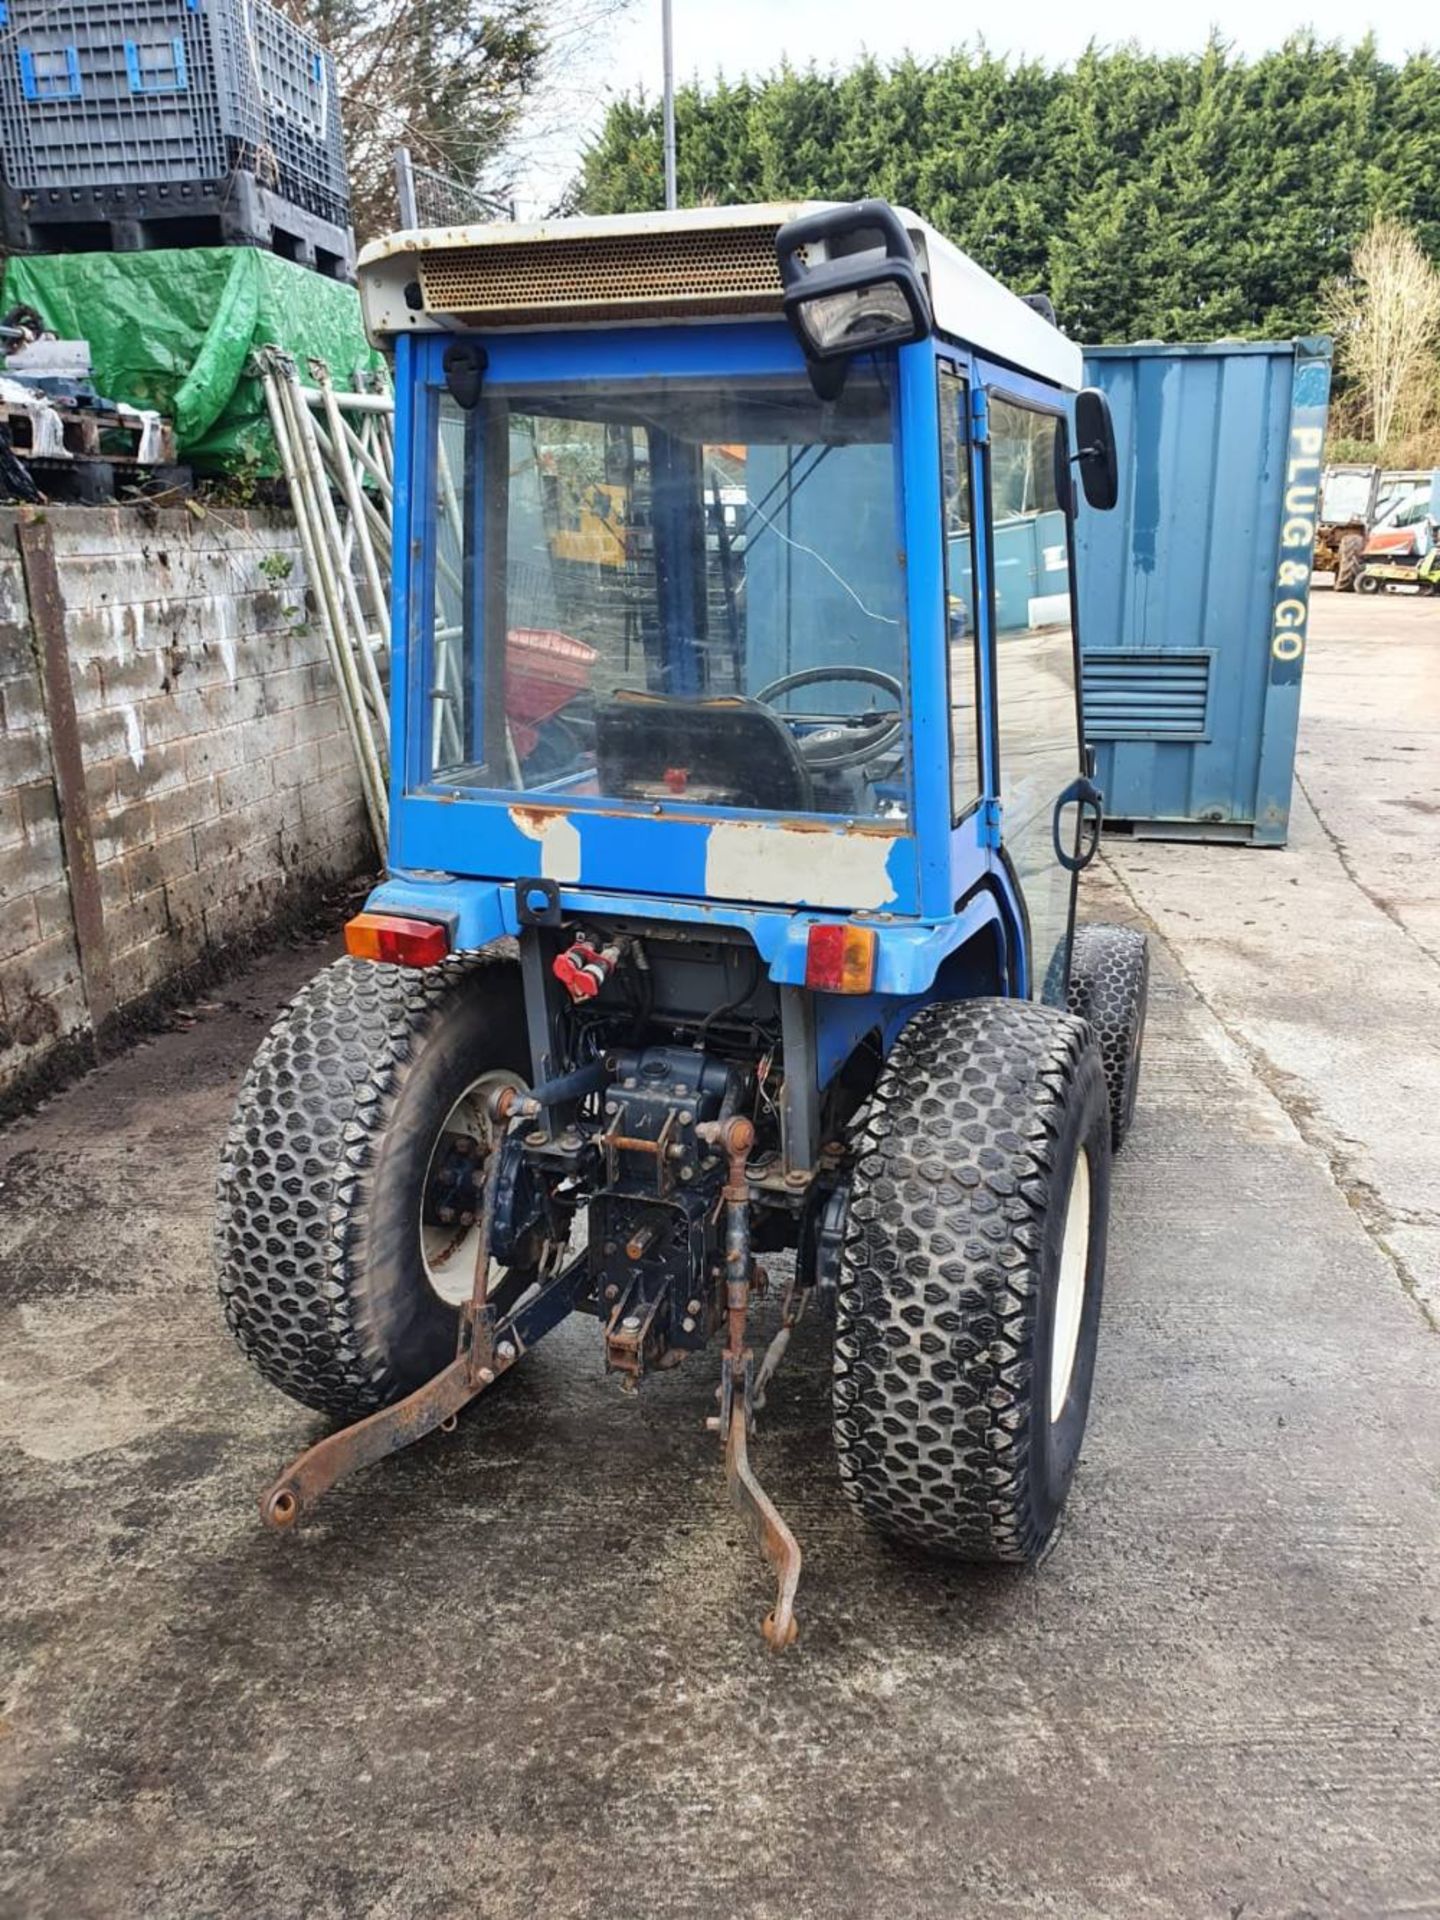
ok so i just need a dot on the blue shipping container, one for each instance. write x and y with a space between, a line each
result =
1194 594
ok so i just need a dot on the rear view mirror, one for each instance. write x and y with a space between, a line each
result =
1095 439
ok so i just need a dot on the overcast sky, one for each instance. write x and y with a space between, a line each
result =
739 36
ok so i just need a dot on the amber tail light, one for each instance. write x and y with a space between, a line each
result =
393 938
840 959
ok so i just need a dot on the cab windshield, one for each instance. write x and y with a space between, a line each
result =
685 592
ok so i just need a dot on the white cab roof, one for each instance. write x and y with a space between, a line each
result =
969 304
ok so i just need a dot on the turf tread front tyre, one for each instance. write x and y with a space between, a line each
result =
317 1222
945 1300
1110 987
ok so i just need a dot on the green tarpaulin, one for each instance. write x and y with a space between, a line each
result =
173 328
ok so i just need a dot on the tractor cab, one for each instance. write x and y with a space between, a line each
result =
739 573
739 794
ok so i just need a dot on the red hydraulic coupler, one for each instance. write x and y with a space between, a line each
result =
582 969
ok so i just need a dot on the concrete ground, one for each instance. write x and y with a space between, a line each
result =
516 1671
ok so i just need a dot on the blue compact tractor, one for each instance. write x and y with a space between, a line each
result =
739 795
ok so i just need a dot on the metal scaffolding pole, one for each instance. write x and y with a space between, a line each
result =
280 384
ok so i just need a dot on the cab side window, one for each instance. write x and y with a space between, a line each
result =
1036 697
959 536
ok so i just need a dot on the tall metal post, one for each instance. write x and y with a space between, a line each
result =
405 188
667 32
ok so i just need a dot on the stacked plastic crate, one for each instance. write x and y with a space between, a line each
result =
150 123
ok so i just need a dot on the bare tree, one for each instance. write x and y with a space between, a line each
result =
537 158
1385 317
458 82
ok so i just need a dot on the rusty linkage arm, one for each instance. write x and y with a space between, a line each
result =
737 1398
490 1342
487 1347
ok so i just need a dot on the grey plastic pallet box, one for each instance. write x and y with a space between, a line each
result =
128 123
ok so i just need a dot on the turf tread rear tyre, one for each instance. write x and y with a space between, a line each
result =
326 1297
1110 987
941 1313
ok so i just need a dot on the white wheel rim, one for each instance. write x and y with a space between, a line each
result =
449 1252
1070 1292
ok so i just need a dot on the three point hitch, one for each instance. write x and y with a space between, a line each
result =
494 1333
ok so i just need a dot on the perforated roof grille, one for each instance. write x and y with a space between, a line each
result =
733 271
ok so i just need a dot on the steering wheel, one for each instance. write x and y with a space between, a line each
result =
841 743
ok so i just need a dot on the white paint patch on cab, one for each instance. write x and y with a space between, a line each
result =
559 840
745 860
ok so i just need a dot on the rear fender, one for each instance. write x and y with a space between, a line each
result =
968 967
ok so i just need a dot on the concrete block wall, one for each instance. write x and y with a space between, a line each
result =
217 773
42 997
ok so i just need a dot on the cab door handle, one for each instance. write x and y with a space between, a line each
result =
1082 793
